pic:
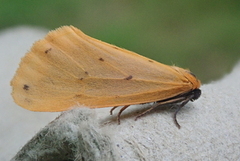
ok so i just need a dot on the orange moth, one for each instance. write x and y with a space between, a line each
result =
67 68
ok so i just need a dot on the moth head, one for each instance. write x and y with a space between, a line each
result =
196 93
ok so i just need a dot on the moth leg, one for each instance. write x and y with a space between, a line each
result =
113 109
147 111
178 109
119 113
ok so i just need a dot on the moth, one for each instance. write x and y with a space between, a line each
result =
67 68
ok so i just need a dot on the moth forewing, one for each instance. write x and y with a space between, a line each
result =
67 68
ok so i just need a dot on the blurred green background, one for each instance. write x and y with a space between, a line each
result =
203 36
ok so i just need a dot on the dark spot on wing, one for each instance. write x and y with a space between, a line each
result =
86 72
46 51
81 78
192 74
150 61
129 77
25 87
101 59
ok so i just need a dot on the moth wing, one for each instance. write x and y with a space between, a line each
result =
68 67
